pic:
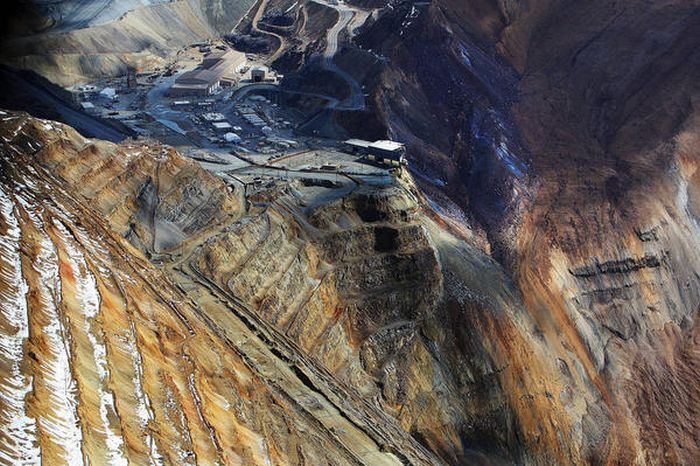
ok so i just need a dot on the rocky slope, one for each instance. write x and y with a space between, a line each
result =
569 133
366 301
88 40
566 132
105 360
553 321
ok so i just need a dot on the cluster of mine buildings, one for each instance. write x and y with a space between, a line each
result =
220 68
193 97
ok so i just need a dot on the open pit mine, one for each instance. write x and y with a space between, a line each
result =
350 232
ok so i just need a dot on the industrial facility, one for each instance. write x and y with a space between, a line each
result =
383 151
257 74
218 69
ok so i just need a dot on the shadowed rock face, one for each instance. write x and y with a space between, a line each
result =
599 100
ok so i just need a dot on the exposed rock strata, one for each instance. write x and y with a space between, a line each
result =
366 322
569 134
598 100
104 360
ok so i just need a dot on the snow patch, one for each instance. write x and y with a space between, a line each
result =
144 410
511 161
16 428
88 296
464 52
408 20
59 422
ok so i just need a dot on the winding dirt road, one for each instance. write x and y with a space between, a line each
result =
256 20
356 99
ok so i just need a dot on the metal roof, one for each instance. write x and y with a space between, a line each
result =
387 145
213 68
358 143
213 116
383 144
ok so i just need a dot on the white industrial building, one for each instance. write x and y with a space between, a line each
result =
222 126
382 151
217 69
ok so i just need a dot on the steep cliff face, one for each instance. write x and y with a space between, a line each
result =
451 102
630 299
598 100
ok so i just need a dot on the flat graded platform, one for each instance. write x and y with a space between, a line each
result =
328 160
